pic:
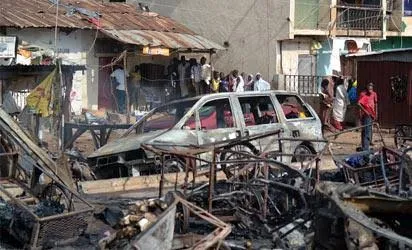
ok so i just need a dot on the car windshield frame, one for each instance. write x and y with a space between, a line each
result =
139 125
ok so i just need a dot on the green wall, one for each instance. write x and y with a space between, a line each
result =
306 14
392 43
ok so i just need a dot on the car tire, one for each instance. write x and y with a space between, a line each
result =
302 149
245 147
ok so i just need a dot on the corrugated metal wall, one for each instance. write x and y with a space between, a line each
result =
379 72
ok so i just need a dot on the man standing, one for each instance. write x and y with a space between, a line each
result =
183 76
172 73
260 84
118 77
368 102
239 84
195 75
326 103
135 79
206 75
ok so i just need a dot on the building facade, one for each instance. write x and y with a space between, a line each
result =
288 37
92 37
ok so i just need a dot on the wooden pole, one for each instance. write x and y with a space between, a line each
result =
1 92
126 88
61 106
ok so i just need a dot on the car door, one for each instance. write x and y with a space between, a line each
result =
217 121
260 116
301 120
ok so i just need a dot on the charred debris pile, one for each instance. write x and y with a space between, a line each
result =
258 202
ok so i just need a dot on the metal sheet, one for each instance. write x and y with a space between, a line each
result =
164 39
389 113
41 14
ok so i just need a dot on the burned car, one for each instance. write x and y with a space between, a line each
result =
209 119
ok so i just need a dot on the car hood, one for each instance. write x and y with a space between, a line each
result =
125 144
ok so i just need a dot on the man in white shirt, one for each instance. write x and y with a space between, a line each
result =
205 76
260 84
118 77
239 83
195 75
183 76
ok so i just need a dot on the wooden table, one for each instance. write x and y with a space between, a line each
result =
100 132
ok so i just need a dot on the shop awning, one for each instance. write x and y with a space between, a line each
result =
169 40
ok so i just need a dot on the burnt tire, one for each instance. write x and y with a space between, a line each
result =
244 148
301 150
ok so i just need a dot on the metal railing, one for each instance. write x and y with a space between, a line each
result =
20 98
305 85
359 17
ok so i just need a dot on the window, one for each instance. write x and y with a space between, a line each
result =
190 124
216 114
293 107
167 116
258 110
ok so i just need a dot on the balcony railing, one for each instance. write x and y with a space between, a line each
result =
359 18
305 85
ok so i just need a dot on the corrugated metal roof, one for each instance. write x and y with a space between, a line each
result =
120 21
392 55
380 52
163 39
41 14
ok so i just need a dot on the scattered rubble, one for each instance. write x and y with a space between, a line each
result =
246 201
349 217
129 223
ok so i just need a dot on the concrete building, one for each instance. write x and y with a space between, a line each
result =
87 35
288 37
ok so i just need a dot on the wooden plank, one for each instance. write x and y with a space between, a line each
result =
139 182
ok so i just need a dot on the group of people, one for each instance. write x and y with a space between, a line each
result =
195 78
337 93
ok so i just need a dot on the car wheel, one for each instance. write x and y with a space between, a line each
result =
232 168
399 141
301 152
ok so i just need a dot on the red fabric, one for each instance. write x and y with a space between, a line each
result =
368 102
337 125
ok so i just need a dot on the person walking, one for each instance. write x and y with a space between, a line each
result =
195 75
260 84
184 76
368 103
118 77
340 103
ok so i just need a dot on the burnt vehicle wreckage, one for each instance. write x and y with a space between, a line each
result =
272 204
213 118
250 200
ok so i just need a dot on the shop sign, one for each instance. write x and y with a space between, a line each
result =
156 51
8 46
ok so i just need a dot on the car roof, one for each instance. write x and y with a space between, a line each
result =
228 94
